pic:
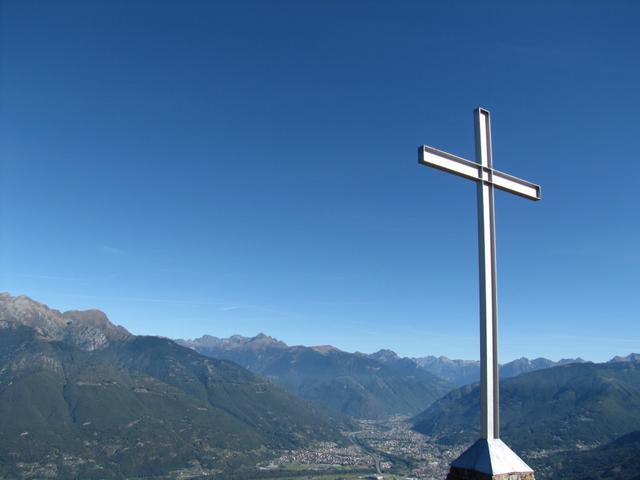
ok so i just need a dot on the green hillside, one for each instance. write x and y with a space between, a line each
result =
560 407
137 406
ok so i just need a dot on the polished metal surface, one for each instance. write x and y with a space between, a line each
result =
487 179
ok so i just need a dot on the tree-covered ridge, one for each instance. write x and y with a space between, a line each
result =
557 408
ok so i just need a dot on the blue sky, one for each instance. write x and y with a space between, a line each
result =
246 166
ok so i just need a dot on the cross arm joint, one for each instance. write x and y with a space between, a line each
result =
447 162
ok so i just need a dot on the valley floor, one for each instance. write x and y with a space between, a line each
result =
388 448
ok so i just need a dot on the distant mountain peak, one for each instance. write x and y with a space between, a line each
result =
264 341
566 361
88 329
324 349
260 341
632 357
385 355
262 337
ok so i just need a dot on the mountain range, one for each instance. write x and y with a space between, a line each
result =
361 385
563 409
354 384
464 372
81 397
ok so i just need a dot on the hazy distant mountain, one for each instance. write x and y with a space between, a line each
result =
464 372
557 407
524 365
349 383
235 342
632 357
80 397
458 372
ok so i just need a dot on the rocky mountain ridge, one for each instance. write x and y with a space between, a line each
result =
88 330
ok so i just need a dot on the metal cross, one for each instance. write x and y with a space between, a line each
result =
486 178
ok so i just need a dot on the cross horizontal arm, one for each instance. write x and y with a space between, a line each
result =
515 185
447 162
432 157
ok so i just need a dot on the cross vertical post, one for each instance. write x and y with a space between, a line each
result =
489 381
488 455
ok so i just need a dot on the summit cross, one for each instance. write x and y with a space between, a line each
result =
487 180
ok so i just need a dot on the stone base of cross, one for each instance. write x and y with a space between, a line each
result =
489 457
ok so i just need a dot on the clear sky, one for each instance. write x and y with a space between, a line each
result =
246 166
